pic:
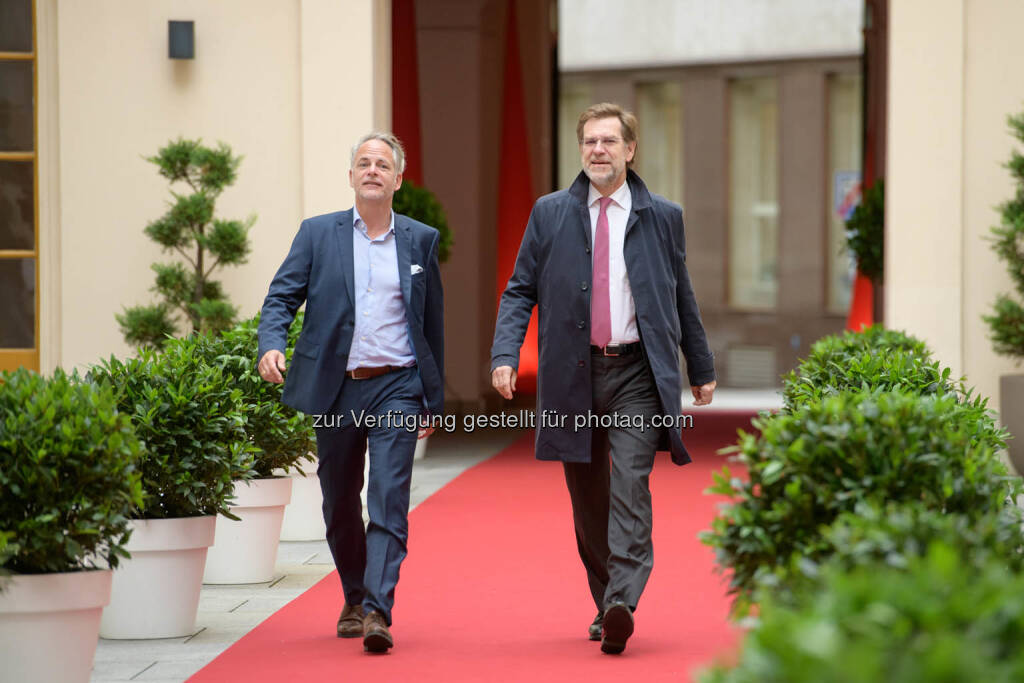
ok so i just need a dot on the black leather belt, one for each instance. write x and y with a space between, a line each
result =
368 373
616 349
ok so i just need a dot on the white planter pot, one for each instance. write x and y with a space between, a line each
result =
156 593
304 515
49 624
246 550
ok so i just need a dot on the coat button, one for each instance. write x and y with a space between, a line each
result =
580 324
580 363
587 249
584 286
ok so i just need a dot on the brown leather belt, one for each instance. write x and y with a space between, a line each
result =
369 373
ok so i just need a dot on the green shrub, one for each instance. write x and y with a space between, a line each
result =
897 533
420 204
865 233
884 369
281 435
192 421
68 472
828 457
874 338
938 621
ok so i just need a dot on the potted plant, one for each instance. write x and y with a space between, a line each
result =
422 205
246 546
70 479
1006 323
192 422
203 242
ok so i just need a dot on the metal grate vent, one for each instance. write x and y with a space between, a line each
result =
752 366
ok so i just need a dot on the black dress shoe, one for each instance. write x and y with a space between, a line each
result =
376 636
595 628
617 628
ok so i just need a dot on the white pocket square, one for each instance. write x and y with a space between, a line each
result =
416 269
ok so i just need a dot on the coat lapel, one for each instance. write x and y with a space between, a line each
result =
344 237
403 245
579 189
641 198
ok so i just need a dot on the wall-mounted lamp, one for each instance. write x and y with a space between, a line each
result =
181 39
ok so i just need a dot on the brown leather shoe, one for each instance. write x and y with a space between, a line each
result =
594 631
350 623
376 636
617 628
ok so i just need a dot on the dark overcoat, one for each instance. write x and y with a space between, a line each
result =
318 271
553 272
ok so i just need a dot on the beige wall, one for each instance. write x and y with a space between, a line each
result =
953 80
272 79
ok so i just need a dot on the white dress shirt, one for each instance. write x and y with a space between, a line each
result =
623 308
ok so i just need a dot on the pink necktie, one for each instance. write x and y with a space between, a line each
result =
600 300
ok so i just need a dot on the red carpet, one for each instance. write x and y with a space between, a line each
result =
493 590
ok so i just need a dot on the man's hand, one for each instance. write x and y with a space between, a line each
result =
703 393
424 432
503 378
271 366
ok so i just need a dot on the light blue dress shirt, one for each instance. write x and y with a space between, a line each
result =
381 334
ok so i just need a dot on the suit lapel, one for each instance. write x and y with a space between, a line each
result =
344 237
403 245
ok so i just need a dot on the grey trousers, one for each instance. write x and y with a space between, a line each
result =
611 504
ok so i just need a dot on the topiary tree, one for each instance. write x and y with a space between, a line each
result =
203 242
1006 324
420 204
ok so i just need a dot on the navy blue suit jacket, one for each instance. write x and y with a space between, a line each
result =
554 271
318 271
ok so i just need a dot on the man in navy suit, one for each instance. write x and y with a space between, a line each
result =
368 363
605 263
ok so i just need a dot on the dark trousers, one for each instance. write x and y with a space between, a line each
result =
611 497
368 558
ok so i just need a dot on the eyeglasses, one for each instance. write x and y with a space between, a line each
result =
591 143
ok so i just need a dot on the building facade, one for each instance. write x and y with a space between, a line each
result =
750 117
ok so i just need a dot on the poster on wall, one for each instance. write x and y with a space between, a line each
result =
846 193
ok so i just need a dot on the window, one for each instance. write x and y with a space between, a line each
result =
753 193
659 161
574 98
844 160
19 245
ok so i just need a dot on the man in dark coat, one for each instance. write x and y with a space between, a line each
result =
369 362
605 263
